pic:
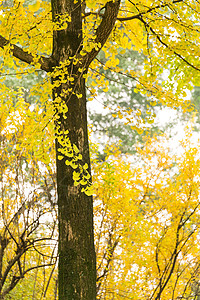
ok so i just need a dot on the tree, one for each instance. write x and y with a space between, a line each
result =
147 221
63 39
28 241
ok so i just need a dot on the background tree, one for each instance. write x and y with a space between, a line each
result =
28 239
120 95
147 222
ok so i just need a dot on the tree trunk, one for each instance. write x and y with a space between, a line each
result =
77 260
77 265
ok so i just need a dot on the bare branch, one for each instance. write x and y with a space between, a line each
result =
16 279
110 249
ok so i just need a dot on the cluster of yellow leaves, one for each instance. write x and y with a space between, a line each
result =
70 151
147 221
171 30
28 25
95 5
162 31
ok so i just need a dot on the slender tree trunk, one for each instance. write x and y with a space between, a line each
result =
77 265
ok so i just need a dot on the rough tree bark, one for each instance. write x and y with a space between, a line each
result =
77 262
77 274
77 266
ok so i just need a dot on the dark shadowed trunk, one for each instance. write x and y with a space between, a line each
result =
77 260
77 266
77 272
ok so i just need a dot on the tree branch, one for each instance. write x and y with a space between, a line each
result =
122 19
167 46
45 63
103 31
110 252
16 279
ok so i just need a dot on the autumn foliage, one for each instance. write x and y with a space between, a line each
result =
147 222
28 241
146 211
